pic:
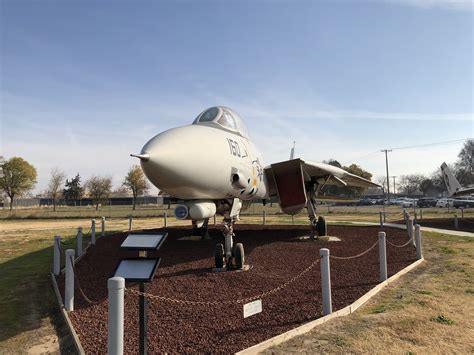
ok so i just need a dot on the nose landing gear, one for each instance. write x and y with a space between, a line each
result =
229 254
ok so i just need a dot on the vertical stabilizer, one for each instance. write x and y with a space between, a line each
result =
452 184
292 153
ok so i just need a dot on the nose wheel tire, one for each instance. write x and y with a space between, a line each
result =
321 227
219 256
239 255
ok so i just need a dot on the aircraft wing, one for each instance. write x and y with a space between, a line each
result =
287 181
464 191
334 175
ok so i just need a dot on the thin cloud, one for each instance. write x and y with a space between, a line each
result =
458 5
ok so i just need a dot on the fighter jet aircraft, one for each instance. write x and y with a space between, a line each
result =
453 185
214 168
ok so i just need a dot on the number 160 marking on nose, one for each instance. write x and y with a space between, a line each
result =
234 148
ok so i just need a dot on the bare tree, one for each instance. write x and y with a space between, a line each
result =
99 189
136 182
55 184
410 183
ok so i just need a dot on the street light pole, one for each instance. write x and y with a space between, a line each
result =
388 176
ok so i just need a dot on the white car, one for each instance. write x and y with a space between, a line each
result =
445 202
408 203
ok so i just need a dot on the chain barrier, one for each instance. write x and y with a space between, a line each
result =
396 217
399 246
466 221
355 256
217 303
78 283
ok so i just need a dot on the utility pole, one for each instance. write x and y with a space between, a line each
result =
394 186
388 176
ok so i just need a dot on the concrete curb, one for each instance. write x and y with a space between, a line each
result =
342 312
77 342
423 229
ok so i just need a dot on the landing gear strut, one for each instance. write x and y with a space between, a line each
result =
230 254
203 230
318 224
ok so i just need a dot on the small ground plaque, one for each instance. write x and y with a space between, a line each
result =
252 308
143 241
137 269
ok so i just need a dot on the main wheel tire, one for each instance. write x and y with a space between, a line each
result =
239 255
321 226
219 256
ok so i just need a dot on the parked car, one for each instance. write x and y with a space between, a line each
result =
365 202
445 202
464 203
409 203
427 202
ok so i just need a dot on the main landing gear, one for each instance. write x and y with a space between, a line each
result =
229 254
318 225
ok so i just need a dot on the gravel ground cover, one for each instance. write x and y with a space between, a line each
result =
276 255
464 224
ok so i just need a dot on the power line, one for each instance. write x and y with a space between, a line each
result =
406 147
429 144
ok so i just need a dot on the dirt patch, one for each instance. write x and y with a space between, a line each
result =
276 255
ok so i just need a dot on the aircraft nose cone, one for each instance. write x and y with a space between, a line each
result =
185 161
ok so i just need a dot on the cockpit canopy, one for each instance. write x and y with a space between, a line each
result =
222 117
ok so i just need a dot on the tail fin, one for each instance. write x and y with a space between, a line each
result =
292 154
452 184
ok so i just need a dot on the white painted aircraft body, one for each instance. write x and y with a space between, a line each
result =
214 167
452 184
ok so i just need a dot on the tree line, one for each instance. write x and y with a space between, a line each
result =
18 177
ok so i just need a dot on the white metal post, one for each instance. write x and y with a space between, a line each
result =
382 256
116 287
57 255
264 217
456 222
93 232
130 223
419 253
103 227
69 284
165 219
326 281
79 241
381 218
410 228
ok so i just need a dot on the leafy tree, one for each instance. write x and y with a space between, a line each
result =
425 185
464 167
73 190
348 190
55 182
18 178
99 189
136 181
410 183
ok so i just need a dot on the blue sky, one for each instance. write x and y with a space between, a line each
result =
85 83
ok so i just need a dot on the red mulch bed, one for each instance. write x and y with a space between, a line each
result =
464 224
185 273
